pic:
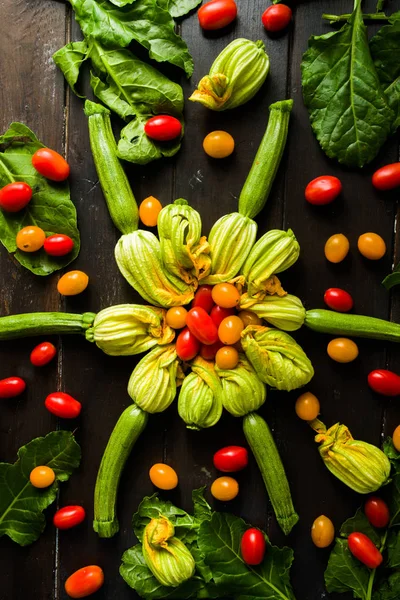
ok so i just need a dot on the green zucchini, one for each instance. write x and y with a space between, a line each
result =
117 192
125 434
44 323
262 444
259 181
328 321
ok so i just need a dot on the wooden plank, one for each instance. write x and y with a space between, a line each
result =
32 91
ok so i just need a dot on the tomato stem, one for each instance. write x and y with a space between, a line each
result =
373 572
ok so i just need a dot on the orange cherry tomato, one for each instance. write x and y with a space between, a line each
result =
73 283
337 248
322 532
371 245
224 488
218 144
396 438
230 329
225 295
163 476
176 317
149 210
249 318
307 406
342 350
84 582
50 164
227 357
30 238
42 477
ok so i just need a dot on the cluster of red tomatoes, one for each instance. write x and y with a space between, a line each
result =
212 327
220 13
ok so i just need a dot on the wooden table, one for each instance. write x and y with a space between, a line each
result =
33 91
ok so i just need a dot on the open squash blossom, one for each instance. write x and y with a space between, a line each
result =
166 556
361 466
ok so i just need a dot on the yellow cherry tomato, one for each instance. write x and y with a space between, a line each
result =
227 357
73 283
30 239
42 477
249 318
163 476
322 532
230 329
396 438
371 245
225 295
336 248
176 317
307 406
149 210
342 350
218 144
225 488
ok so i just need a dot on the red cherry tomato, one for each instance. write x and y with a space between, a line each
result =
15 196
84 582
377 512
338 300
58 244
11 387
217 14
203 298
208 351
42 354
218 314
252 546
323 190
163 128
201 325
187 345
50 164
384 382
63 405
69 516
231 459
364 550
276 17
387 178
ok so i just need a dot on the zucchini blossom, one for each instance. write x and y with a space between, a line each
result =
242 390
200 398
361 466
278 360
152 385
235 76
138 257
167 557
285 312
127 329
184 252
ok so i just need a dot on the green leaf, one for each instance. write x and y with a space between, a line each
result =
393 549
179 8
385 51
348 109
50 208
219 540
389 588
143 21
201 508
360 523
345 573
392 279
21 504
69 59
134 145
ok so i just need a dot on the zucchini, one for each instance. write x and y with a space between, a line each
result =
329 321
259 181
125 434
117 192
262 444
44 323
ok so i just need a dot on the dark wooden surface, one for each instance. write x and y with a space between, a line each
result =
33 91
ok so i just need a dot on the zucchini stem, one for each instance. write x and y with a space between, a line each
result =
44 323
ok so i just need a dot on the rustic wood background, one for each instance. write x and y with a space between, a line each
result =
33 91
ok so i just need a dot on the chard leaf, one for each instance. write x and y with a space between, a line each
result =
360 523
21 504
385 51
393 549
392 279
69 59
143 21
345 573
201 508
219 541
134 145
388 588
348 109
50 208
179 8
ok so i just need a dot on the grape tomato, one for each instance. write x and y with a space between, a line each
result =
50 164
252 546
42 354
201 325
217 14
384 382
163 476
15 196
163 128
203 298
276 17
218 314
364 550
187 345
323 190
249 317
63 405
338 299
84 582
58 245
209 352
11 387
231 459
377 512
69 516
387 177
